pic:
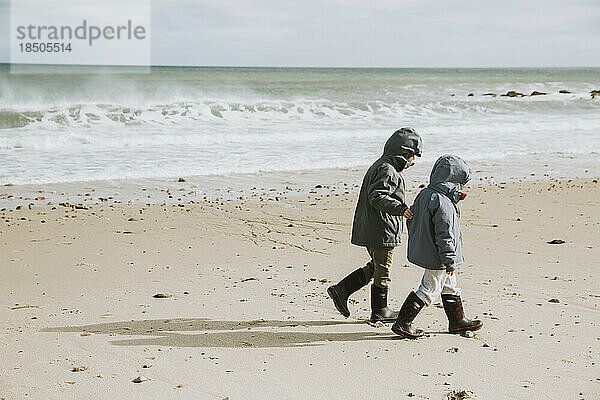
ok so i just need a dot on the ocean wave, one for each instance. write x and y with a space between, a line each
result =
176 122
528 133
219 111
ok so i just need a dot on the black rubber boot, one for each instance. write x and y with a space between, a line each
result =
456 315
340 292
379 309
411 307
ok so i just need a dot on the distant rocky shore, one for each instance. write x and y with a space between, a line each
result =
514 93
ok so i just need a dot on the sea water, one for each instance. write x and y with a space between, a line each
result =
70 124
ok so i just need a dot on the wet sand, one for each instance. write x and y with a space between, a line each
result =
245 313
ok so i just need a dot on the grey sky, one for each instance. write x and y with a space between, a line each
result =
393 33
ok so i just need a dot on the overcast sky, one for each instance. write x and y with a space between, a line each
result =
385 33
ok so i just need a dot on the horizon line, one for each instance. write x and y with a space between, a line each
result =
296 67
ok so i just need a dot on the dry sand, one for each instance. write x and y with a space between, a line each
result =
246 314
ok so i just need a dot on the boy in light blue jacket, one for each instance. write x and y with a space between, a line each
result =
435 243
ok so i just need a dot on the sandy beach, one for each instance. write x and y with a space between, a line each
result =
242 310
179 180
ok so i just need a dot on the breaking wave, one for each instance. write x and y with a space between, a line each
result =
319 111
64 127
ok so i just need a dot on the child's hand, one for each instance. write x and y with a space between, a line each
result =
408 214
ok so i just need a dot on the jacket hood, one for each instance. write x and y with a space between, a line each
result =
449 174
403 144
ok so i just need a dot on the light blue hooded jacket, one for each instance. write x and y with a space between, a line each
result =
434 237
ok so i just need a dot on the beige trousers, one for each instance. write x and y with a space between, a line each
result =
379 266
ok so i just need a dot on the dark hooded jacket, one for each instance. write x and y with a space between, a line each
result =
434 237
378 214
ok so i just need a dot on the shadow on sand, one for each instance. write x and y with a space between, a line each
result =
200 332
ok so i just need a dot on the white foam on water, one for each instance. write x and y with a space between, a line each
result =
219 121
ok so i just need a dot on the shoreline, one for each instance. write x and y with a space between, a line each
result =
271 184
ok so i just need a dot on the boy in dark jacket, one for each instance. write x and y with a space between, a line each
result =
435 243
378 224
